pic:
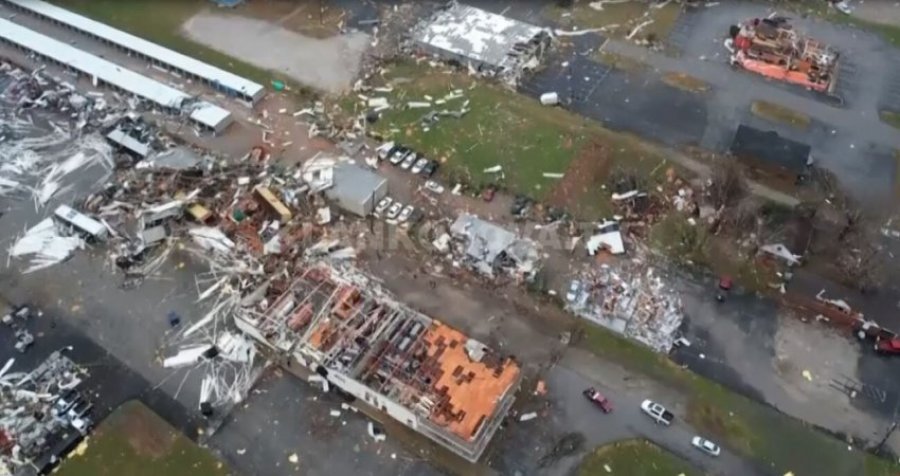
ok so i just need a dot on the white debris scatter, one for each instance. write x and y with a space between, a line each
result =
45 245
631 300
211 239
94 151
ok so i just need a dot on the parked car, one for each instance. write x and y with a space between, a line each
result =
399 154
405 213
24 339
386 150
409 161
430 168
383 205
394 210
598 399
65 402
888 346
434 187
657 412
574 291
488 193
520 206
80 409
81 425
419 165
706 446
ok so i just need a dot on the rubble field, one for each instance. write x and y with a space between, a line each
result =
135 441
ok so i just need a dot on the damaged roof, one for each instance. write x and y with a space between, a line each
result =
476 34
485 240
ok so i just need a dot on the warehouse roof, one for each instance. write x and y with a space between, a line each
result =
140 45
477 34
110 73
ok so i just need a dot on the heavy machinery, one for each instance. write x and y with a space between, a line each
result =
773 48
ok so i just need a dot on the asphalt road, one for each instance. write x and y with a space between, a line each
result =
628 421
849 139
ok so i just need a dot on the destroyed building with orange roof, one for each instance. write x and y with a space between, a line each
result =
344 326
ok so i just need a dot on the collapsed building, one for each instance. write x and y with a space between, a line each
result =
491 44
32 434
493 250
634 302
432 378
773 48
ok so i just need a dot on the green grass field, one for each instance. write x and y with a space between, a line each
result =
634 458
509 129
619 18
134 441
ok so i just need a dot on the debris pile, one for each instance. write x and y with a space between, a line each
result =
32 419
631 300
492 250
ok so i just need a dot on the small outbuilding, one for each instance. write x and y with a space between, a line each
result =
356 189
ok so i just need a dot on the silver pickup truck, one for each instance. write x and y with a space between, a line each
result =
657 412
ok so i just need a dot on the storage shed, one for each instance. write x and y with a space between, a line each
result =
356 189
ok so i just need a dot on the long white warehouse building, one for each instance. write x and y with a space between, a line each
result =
100 70
219 79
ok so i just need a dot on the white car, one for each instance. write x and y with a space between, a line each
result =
394 210
405 214
434 187
383 205
408 161
82 425
706 446
574 291
398 155
419 165
384 150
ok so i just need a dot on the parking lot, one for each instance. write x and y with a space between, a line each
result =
106 382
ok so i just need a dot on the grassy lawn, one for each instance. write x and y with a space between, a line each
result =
620 62
685 82
777 113
619 19
693 246
507 129
753 430
161 23
891 33
633 458
890 118
134 441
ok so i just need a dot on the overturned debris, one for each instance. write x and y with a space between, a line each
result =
631 300
492 250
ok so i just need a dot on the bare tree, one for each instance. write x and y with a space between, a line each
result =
744 217
727 185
